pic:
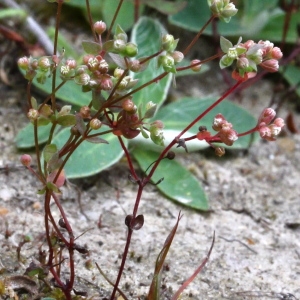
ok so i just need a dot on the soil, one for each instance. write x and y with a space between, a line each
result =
254 213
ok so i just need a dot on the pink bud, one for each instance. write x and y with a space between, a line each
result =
60 179
197 67
106 83
26 160
276 53
279 122
267 116
265 133
99 27
228 136
23 63
271 65
218 122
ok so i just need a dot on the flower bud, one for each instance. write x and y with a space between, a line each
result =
128 105
99 27
271 65
135 65
44 63
167 42
106 83
279 122
95 124
103 66
119 45
82 79
267 116
196 68
23 63
118 72
25 160
178 56
218 122
71 63
276 53
85 112
220 151
131 50
33 114
167 62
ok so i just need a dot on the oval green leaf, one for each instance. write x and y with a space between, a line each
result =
25 137
179 184
89 158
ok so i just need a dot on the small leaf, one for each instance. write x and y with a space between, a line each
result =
225 44
179 184
91 47
49 151
96 140
66 120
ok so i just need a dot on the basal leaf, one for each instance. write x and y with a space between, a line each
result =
179 184
105 10
90 158
255 19
292 75
25 137
147 35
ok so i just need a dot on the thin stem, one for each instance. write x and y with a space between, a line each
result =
128 240
187 49
88 8
37 149
57 21
129 160
114 19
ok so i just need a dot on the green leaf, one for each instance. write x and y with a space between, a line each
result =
91 47
63 43
49 151
255 19
147 35
25 137
292 75
105 10
69 92
12 13
66 120
178 184
167 7
89 158
179 114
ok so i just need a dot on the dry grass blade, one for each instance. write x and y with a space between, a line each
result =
198 270
154 291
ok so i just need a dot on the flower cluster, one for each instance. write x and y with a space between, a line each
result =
225 131
39 68
248 56
226 134
222 9
169 57
267 129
